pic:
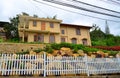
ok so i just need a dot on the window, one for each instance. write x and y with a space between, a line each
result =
77 31
34 23
62 39
42 25
62 31
52 38
51 25
84 41
74 40
35 38
40 38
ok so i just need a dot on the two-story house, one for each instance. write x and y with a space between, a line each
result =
46 30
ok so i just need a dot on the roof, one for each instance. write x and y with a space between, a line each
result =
2 23
64 24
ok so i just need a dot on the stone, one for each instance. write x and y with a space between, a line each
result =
81 52
66 51
75 55
32 52
118 55
55 52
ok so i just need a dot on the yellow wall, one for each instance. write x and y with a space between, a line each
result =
70 31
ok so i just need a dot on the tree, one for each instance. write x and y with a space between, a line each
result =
35 16
96 33
24 13
107 31
11 29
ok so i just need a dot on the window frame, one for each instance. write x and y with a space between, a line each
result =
78 31
51 25
34 23
62 31
52 36
63 39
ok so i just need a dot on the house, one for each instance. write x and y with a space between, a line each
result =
2 32
47 30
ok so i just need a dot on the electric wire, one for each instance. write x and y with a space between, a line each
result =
75 12
80 8
94 6
37 7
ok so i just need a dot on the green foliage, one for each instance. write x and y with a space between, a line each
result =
99 42
38 50
112 53
69 45
11 29
99 38
48 49
88 49
1 40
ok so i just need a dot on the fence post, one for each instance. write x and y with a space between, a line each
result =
44 56
86 62
118 60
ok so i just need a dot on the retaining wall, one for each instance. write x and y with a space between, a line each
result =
18 47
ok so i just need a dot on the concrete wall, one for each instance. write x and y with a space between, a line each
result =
17 47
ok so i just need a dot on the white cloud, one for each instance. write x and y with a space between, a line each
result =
10 8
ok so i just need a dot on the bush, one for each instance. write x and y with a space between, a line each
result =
1 40
48 49
38 50
87 49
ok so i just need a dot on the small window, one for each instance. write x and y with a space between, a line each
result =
41 38
74 40
51 25
62 39
84 41
34 23
35 38
52 38
77 31
62 31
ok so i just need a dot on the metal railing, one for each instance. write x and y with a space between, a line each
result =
12 64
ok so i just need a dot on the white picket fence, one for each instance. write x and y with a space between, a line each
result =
12 64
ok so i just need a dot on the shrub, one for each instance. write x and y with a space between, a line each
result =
1 40
38 50
48 49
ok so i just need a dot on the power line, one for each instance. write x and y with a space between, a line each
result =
94 6
37 7
76 12
80 8
114 1
109 2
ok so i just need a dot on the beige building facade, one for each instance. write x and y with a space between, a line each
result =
46 30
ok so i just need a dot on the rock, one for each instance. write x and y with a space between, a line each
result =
75 55
55 52
100 54
106 54
32 52
93 56
118 55
66 51
81 52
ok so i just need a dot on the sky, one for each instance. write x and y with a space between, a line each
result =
10 8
